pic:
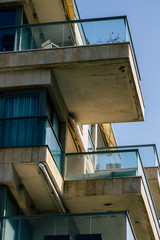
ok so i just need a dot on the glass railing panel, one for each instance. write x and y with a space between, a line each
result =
148 153
35 131
129 230
101 164
53 144
71 226
102 32
91 146
148 156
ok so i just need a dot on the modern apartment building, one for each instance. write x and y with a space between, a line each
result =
63 80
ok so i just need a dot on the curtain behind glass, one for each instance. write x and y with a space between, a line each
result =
21 132
22 105
1 105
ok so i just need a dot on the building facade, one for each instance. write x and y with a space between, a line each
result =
63 81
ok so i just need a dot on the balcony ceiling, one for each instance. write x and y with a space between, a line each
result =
36 187
49 11
101 89
99 92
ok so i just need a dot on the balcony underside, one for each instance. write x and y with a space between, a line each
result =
153 177
48 12
115 194
23 162
99 92
97 83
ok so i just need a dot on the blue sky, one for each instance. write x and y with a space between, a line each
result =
144 21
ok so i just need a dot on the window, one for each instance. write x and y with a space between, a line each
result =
28 119
12 229
15 129
13 38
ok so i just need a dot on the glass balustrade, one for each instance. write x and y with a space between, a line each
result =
98 226
118 163
111 163
148 153
35 131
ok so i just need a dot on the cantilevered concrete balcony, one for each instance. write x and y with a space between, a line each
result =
92 63
150 161
21 170
111 180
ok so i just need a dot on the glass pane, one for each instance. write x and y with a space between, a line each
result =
129 232
20 105
101 32
98 165
7 38
56 124
53 145
148 153
11 232
1 105
98 226
22 132
7 18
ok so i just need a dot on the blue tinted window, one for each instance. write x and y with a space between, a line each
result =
24 131
20 105
7 18
27 119
56 124
1 106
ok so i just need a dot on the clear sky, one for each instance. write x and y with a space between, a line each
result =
144 21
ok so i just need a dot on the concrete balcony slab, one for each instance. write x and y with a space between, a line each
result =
23 162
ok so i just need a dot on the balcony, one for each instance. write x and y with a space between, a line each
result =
38 132
112 180
115 225
151 164
20 156
93 64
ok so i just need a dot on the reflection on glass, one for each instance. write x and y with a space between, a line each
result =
107 226
27 131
